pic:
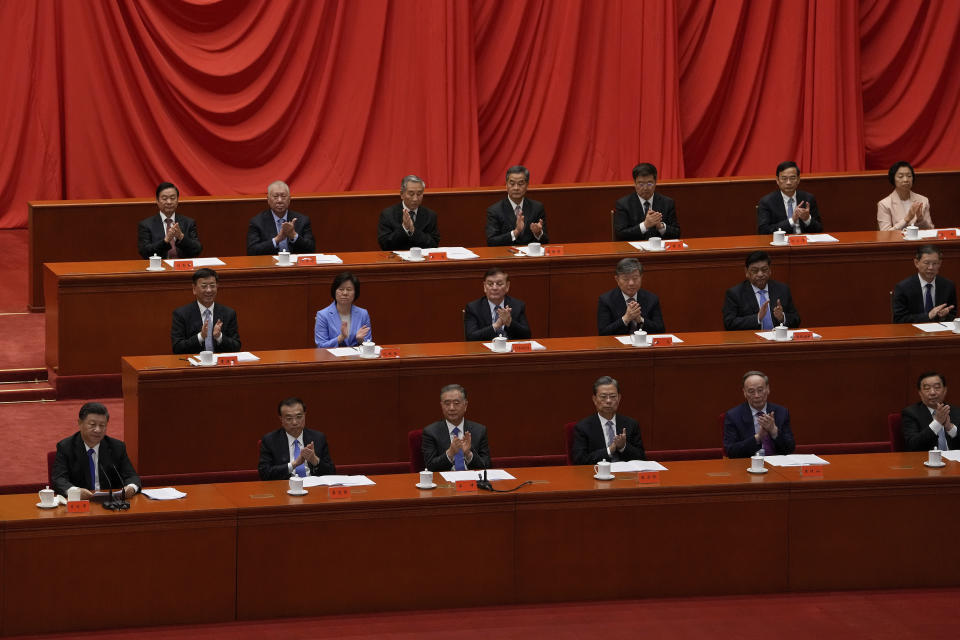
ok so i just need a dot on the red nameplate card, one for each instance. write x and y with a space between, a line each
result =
803 335
183 265
338 492
811 471
553 250
662 341
307 260
78 506
673 245
436 256
389 352
226 360
797 239
466 485
946 234
648 477
521 347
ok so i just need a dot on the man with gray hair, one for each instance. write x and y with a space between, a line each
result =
454 443
407 224
516 219
279 229
756 425
606 435
628 308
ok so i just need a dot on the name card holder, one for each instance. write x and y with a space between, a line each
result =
803 335
521 347
662 341
946 234
389 352
466 485
183 265
553 250
227 360
78 506
811 471
436 256
338 493
310 260
648 477
673 245
797 240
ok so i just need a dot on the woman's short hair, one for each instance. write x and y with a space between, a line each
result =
340 279
892 174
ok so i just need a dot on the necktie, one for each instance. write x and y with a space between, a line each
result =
942 440
646 208
300 470
766 323
796 227
928 298
413 217
93 470
208 319
633 326
495 317
173 243
458 464
611 433
282 245
765 439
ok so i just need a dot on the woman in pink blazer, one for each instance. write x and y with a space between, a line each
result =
903 207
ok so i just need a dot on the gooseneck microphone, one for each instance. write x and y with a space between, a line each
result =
123 503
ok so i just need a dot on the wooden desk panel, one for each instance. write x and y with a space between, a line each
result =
839 389
158 563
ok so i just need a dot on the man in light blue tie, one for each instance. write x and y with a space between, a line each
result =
293 450
757 425
759 302
455 443
931 422
927 296
279 229
606 434
496 313
788 209
204 325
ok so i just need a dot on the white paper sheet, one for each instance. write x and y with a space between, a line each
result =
199 262
322 258
820 237
794 460
650 337
453 253
492 474
635 466
932 327
644 245
951 455
536 346
337 481
166 493
242 356
349 351
771 335
927 234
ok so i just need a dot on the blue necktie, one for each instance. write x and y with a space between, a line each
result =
928 298
300 471
282 245
93 470
766 322
796 227
458 464
208 341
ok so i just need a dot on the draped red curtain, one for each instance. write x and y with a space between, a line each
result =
105 98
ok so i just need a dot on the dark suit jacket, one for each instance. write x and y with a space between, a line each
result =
393 237
71 467
628 214
915 423
436 441
738 431
187 323
275 455
772 214
501 220
151 232
908 299
740 307
478 321
611 307
590 446
262 230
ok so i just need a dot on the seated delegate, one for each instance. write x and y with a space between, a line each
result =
903 207
342 323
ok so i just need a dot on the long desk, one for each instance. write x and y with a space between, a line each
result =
839 389
213 556
97 312
60 229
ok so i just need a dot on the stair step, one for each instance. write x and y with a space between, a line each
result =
33 374
27 392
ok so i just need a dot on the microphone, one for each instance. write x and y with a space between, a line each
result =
122 504
109 503
483 483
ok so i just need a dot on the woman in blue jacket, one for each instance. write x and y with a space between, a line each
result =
343 324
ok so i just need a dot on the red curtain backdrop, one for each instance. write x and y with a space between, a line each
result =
105 98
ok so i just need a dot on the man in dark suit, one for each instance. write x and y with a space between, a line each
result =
787 209
628 308
645 214
925 297
516 219
606 435
168 234
759 302
407 224
91 460
931 422
454 443
757 424
496 313
293 450
203 325
279 229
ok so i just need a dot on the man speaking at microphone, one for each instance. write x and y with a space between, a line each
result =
91 460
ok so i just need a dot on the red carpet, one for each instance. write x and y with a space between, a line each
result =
882 615
21 340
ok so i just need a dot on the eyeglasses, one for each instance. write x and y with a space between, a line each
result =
783 178
645 184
